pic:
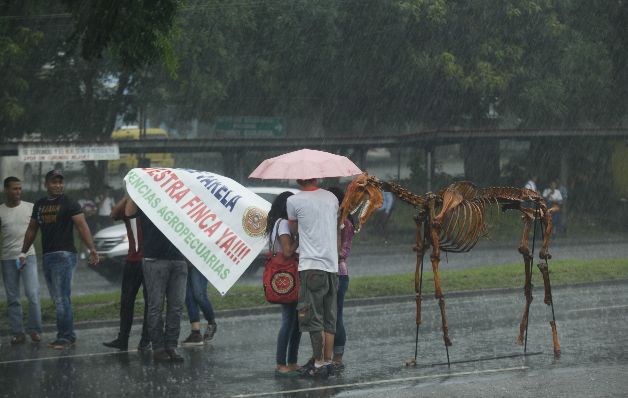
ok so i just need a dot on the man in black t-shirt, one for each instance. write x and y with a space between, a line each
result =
57 215
165 277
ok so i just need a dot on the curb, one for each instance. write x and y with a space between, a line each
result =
358 302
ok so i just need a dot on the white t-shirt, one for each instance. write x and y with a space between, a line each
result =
14 222
553 196
531 185
282 229
316 211
105 206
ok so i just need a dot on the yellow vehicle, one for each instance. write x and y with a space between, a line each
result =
129 161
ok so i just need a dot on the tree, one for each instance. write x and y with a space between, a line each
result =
136 32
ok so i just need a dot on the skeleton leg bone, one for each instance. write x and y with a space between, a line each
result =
438 294
548 300
527 287
547 233
418 280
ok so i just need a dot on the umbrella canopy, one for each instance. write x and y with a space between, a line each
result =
305 164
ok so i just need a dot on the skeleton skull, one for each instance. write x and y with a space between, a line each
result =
361 200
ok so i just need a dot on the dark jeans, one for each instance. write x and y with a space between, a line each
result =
58 270
196 296
132 279
165 280
289 335
341 335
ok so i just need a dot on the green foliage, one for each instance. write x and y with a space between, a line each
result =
138 32
354 66
16 47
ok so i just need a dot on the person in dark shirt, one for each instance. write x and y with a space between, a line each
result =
132 279
165 277
57 215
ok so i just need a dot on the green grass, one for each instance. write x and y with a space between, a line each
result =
105 306
490 277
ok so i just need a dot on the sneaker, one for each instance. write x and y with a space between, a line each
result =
322 372
60 344
167 355
338 367
118 343
309 365
195 338
18 339
35 337
161 356
144 346
174 355
210 331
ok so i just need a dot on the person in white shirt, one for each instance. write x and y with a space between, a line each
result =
313 214
105 205
554 201
531 184
15 216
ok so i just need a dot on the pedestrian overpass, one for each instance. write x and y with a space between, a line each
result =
233 150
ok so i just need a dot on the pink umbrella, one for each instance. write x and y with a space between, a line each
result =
304 164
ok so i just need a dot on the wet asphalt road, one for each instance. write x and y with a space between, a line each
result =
592 326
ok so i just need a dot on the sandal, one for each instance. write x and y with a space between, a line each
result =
290 373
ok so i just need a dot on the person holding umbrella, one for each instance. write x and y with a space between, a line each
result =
312 213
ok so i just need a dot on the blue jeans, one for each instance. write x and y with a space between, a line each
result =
11 276
196 296
165 281
58 270
289 336
341 335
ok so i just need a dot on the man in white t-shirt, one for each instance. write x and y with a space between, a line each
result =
15 215
105 205
531 184
313 214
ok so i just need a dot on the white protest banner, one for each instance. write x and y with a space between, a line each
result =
214 221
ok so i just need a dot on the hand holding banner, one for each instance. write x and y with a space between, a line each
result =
216 223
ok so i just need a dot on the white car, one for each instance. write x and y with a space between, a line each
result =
112 244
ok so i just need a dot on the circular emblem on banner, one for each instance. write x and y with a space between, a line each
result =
254 221
282 282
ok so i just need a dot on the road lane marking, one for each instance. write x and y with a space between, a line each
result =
610 307
95 354
386 381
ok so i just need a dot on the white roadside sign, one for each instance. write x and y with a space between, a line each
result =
67 153
216 223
